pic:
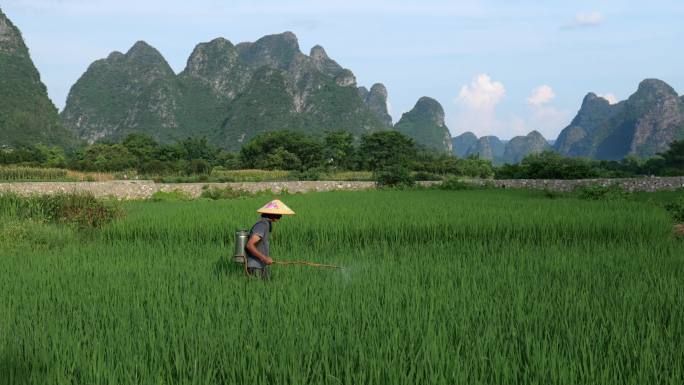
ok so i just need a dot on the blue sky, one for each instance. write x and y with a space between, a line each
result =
497 67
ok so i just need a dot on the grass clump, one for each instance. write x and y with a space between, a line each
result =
33 233
455 184
80 209
83 210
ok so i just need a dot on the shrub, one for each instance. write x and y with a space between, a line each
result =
598 192
82 210
423 176
454 183
216 193
197 166
676 209
396 176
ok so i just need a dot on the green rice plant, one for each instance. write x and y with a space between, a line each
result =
176 195
33 234
439 287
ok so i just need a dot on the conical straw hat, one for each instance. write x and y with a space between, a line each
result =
276 207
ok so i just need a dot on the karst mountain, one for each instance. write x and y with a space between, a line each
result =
643 125
229 93
27 116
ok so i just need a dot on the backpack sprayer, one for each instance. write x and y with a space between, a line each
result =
240 256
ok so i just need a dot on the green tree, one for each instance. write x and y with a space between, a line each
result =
266 150
105 157
197 148
339 149
673 158
54 156
143 147
385 149
281 159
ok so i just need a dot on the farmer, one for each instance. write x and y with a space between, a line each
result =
257 247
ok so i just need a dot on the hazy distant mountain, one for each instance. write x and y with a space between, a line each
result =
643 125
228 93
461 143
425 124
520 146
488 147
27 116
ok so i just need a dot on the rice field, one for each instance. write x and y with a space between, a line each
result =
439 287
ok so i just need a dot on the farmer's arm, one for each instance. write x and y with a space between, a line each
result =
251 247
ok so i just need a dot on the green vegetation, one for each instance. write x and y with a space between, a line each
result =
215 193
485 286
81 210
676 209
249 175
285 155
20 174
551 165
170 196
425 125
26 113
227 93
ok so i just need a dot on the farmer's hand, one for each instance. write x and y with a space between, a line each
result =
268 261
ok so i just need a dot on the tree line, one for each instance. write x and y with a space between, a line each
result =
389 154
551 165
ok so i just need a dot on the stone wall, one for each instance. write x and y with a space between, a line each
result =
628 184
142 189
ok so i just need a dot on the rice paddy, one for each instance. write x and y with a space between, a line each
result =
439 287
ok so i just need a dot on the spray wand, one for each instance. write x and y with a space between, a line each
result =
306 263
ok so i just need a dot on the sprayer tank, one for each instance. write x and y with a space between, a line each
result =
240 243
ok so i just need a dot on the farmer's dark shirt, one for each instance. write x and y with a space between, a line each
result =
262 229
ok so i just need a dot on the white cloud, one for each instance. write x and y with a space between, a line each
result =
611 98
541 95
546 119
477 107
585 19
482 93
